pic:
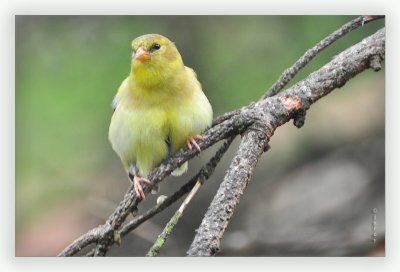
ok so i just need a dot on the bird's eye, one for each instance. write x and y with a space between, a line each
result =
155 46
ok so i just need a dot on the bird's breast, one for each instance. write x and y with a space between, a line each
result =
137 133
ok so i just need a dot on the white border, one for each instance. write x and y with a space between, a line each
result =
10 8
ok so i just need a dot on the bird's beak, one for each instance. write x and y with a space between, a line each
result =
142 54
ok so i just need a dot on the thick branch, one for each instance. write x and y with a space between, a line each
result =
272 113
90 237
222 207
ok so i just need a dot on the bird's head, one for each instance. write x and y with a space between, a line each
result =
154 59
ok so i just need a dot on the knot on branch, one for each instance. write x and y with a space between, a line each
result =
296 107
375 63
299 118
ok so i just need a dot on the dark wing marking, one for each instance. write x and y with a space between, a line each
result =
115 103
169 144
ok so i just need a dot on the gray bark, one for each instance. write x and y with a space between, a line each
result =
269 114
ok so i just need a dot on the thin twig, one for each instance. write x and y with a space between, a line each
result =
159 243
292 71
289 73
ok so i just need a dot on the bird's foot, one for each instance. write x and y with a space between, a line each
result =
138 186
191 140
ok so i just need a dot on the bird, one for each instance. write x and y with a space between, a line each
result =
158 108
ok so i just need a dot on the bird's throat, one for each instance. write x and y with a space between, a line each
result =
152 76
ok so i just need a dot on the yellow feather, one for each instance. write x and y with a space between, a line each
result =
160 102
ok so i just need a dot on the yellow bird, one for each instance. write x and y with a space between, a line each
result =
158 108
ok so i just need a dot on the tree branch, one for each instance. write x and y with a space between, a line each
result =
204 173
289 73
272 113
226 126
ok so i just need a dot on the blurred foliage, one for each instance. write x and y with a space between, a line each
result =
68 69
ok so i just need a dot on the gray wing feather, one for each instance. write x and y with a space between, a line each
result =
115 103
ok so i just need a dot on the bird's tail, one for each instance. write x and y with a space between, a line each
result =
155 189
180 170
177 172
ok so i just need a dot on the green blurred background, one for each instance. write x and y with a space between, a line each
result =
68 69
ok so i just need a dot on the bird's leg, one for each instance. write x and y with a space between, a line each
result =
192 140
137 180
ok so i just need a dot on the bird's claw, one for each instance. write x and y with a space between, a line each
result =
138 187
192 141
